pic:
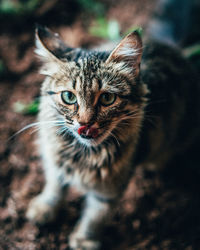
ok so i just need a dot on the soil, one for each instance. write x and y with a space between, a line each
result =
159 210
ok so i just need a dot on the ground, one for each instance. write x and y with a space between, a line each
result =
160 209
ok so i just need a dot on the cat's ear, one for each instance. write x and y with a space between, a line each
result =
51 50
48 44
128 51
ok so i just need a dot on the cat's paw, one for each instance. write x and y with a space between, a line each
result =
39 211
76 242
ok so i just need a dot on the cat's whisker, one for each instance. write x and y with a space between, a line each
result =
34 131
61 130
147 117
69 146
138 116
70 123
36 124
133 112
112 135
131 117
47 126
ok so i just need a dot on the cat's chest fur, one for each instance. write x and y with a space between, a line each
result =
99 169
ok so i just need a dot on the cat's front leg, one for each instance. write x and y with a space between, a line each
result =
86 233
42 209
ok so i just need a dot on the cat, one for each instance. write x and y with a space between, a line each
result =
101 114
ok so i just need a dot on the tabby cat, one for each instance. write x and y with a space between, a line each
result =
100 115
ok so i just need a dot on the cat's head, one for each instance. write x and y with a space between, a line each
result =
98 95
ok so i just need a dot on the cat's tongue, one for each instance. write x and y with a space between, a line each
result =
89 132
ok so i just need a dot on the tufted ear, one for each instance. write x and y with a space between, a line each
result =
49 45
51 50
128 51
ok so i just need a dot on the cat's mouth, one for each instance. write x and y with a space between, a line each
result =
90 135
88 132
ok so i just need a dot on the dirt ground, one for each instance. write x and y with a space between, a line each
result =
160 209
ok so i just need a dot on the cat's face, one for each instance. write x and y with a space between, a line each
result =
96 94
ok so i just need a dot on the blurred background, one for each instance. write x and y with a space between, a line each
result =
160 210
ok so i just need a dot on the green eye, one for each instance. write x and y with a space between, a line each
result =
68 97
107 99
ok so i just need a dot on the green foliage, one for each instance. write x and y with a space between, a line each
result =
192 51
101 27
105 29
110 29
27 109
193 54
12 7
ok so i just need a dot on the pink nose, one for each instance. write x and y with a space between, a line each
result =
87 131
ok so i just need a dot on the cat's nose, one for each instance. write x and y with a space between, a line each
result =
85 116
83 123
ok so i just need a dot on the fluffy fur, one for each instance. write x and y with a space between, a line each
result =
129 130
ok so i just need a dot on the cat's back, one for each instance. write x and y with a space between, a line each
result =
165 70
172 115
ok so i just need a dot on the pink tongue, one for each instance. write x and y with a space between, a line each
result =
88 131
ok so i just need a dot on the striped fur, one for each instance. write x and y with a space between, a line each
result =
102 166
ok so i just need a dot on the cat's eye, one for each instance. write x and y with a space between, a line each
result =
107 99
68 97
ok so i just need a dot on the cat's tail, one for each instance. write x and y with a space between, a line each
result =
175 21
